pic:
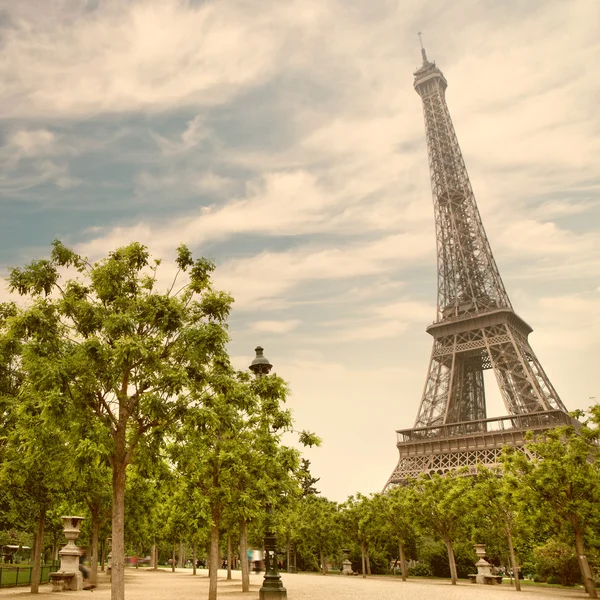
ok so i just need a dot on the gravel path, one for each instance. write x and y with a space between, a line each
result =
143 584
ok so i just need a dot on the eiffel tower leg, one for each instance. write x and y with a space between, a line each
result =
467 398
435 395
524 385
538 374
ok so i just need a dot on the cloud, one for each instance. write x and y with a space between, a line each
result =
31 157
281 203
546 239
34 142
267 277
137 56
275 326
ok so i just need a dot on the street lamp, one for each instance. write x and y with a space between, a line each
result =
272 587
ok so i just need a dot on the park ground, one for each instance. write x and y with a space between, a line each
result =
144 584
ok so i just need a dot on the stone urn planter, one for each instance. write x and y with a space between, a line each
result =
346 563
68 577
484 569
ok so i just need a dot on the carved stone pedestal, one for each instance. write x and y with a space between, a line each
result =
484 569
69 577
346 564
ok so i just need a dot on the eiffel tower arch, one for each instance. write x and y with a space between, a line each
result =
476 327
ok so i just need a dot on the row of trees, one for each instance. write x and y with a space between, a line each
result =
110 387
112 390
537 514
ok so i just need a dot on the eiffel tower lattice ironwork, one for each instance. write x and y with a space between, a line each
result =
476 327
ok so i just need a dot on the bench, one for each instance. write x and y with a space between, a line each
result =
61 580
487 579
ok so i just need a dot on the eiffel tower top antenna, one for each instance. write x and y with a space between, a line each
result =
423 53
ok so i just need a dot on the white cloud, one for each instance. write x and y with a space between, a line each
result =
31 157
34 142
269 276
275 326
140 55
546 239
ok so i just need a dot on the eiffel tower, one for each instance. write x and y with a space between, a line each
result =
476 327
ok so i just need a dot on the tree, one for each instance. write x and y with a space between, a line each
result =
206 447
363 517
118 351
37 468
306 479
92 484
495 493
319 527
563 477
441 504
556 562
230 449
398 510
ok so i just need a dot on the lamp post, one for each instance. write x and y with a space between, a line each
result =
272 587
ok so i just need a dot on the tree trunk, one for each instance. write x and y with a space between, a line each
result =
37 551
103 556
173 559
55 549
244 555
180 558
402 561
295 557
513 560
323 561
451 561
194 557
228 557
213 560
287 557
119 465
94 543
362 552
156 557
586 572
368 560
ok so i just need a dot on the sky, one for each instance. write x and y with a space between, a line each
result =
285 141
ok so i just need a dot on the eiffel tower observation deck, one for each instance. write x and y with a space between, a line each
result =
476 327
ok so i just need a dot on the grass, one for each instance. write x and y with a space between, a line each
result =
529 582
10 577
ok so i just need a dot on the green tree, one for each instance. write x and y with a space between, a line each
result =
496 493
441 504
319 528
362 516
562 478
93 482
120 352
398 511
306 479
37 469
230 449
556 562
